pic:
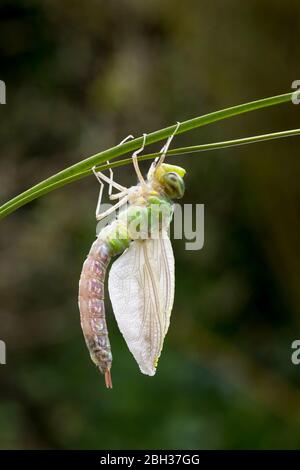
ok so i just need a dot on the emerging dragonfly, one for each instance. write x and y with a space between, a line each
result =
141 280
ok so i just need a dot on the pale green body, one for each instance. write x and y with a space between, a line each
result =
142 219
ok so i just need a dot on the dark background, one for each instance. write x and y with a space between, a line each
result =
81 76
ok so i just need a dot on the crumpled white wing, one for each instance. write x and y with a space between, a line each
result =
141 289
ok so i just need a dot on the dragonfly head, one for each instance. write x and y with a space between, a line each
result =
170 179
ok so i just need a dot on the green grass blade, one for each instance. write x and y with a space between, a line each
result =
203 148
82 168
177 151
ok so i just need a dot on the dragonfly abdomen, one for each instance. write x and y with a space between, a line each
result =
92 309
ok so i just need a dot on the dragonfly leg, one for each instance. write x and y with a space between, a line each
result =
163 152
111 173
126 138
101 215
110 180
102 177
100 192
118 195
111 176
136 164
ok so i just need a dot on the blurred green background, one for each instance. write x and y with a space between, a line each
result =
81 76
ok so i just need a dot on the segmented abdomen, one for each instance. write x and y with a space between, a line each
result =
92 309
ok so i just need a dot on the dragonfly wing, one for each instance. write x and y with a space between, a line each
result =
141 289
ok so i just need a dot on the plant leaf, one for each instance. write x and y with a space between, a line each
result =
83 168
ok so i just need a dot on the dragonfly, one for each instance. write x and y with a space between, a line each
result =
141 280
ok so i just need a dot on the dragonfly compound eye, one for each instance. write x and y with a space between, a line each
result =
173 185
